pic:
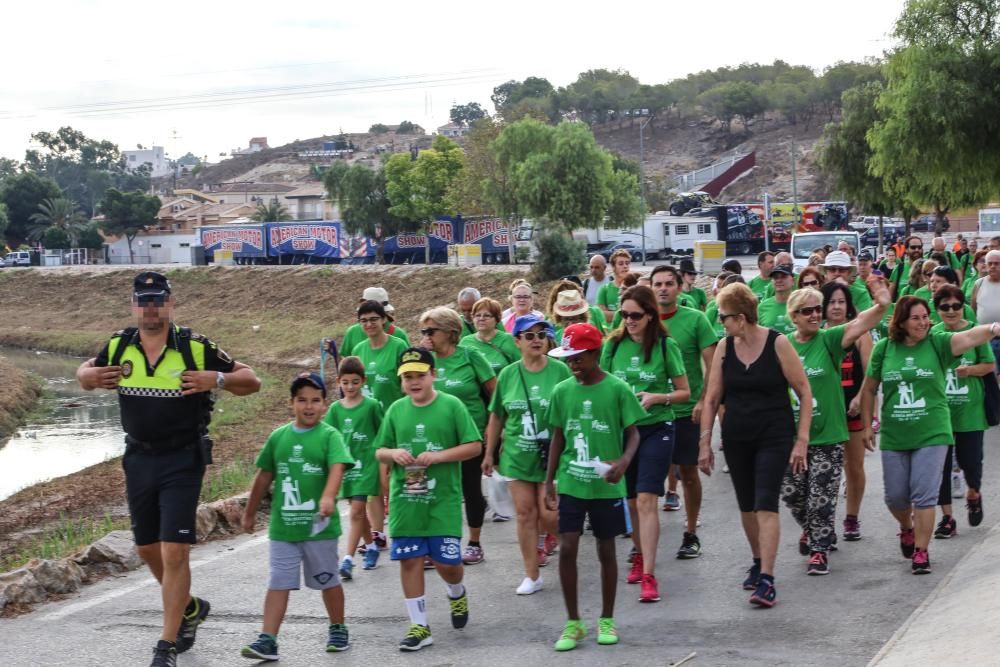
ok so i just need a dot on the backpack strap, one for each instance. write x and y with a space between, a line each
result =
184 347
124 337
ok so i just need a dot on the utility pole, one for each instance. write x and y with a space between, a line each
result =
642 184
795 191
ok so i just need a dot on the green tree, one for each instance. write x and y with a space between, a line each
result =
22 194
273 211
418 189
378 128
558 255
54 237
57 214
4 221
406 127
466 114
626 209
8 168
91 238
363 202
128 213
730 99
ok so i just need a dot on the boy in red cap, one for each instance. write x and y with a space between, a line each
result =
595 412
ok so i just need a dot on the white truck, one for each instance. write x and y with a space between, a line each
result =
664 234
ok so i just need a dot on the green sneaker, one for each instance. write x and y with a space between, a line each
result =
572 633
606 632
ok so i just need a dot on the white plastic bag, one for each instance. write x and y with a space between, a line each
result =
499 496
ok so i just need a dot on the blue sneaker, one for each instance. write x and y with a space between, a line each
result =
371 559
337 638
265 648
346 568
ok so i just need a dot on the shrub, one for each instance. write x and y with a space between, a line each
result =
558 255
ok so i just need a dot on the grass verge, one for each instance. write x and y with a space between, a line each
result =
62 539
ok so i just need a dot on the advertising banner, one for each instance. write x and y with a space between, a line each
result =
241 240
315 239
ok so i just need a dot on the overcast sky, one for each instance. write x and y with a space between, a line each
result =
206 76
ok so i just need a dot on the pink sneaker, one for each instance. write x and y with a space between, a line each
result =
648 592
635 574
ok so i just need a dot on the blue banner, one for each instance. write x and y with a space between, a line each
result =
315 239
243 240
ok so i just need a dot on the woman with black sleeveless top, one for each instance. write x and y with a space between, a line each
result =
752 373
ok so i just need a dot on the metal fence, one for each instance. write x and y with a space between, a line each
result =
694 179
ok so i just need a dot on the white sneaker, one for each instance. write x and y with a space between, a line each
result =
529 586
957 484
698 520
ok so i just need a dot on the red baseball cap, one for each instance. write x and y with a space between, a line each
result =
578 338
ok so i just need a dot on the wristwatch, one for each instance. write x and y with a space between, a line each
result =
220 379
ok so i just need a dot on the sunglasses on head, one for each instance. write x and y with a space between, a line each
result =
631 315
532 335
429 331
810 310
946 307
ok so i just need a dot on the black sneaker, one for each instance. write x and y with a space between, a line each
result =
190 622
337 639
907 542
818 564
631 554
164 654
804 543
765 595
753 576
975 507
459 611
947 528
690 547
921 563
418 637
264 648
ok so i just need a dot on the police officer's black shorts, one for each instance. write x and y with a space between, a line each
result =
163 491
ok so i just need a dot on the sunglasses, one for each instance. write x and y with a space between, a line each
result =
725 316
946 307
369 320
155 300
810 310
916 247
928 274
532 335
429 331
635 317
810 283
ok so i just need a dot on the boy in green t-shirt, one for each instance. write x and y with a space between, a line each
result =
309 457
424 438
596 412
358 418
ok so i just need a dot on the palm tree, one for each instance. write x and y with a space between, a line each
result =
61 214
272 212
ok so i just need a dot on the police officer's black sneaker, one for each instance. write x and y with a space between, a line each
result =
164 654
195 613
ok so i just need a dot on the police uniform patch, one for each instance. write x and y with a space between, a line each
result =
127 369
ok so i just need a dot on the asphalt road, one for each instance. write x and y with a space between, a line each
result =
843 618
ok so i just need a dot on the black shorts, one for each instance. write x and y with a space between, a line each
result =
686 436
607 515
651 463
163 491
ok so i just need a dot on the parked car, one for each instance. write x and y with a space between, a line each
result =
608 249
18 258
2 264
890 234
925 223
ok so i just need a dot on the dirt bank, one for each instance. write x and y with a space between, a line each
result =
74 311
19 392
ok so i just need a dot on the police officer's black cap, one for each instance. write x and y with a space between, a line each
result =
151 283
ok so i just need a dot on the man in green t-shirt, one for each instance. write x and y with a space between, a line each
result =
424 438
914 250
773 312
759 284
309 458
597 413
838 267
694 335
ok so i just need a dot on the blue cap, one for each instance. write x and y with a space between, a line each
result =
308 379
525 322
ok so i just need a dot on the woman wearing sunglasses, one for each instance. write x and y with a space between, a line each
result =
466 375
517 411
811 492
964 389
839 310
641 353
941 276
810 277
911 366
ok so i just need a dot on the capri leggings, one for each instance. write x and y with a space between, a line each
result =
968 451
472 491
757 468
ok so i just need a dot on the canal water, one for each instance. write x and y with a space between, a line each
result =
78 429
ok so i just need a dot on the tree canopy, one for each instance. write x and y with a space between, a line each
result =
128 213
22 194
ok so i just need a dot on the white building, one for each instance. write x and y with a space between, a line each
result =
153 156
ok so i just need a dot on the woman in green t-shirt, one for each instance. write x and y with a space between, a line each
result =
496 345
583 312
641 353
941 276
964 388
916 424
811 494
517 411
466 375
379 353
915 279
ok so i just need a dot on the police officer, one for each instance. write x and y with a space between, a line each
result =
164 375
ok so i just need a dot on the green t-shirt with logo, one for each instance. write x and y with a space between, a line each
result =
355 334
626 361
860 295
381 381
519 457
821 357
696 298
462 375
691 331
426 501
593 419
607 296
300 462
881 329
774 315
965 395
915 410
500 352
758 285
358 426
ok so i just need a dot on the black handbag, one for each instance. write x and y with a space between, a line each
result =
991 399
543 443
